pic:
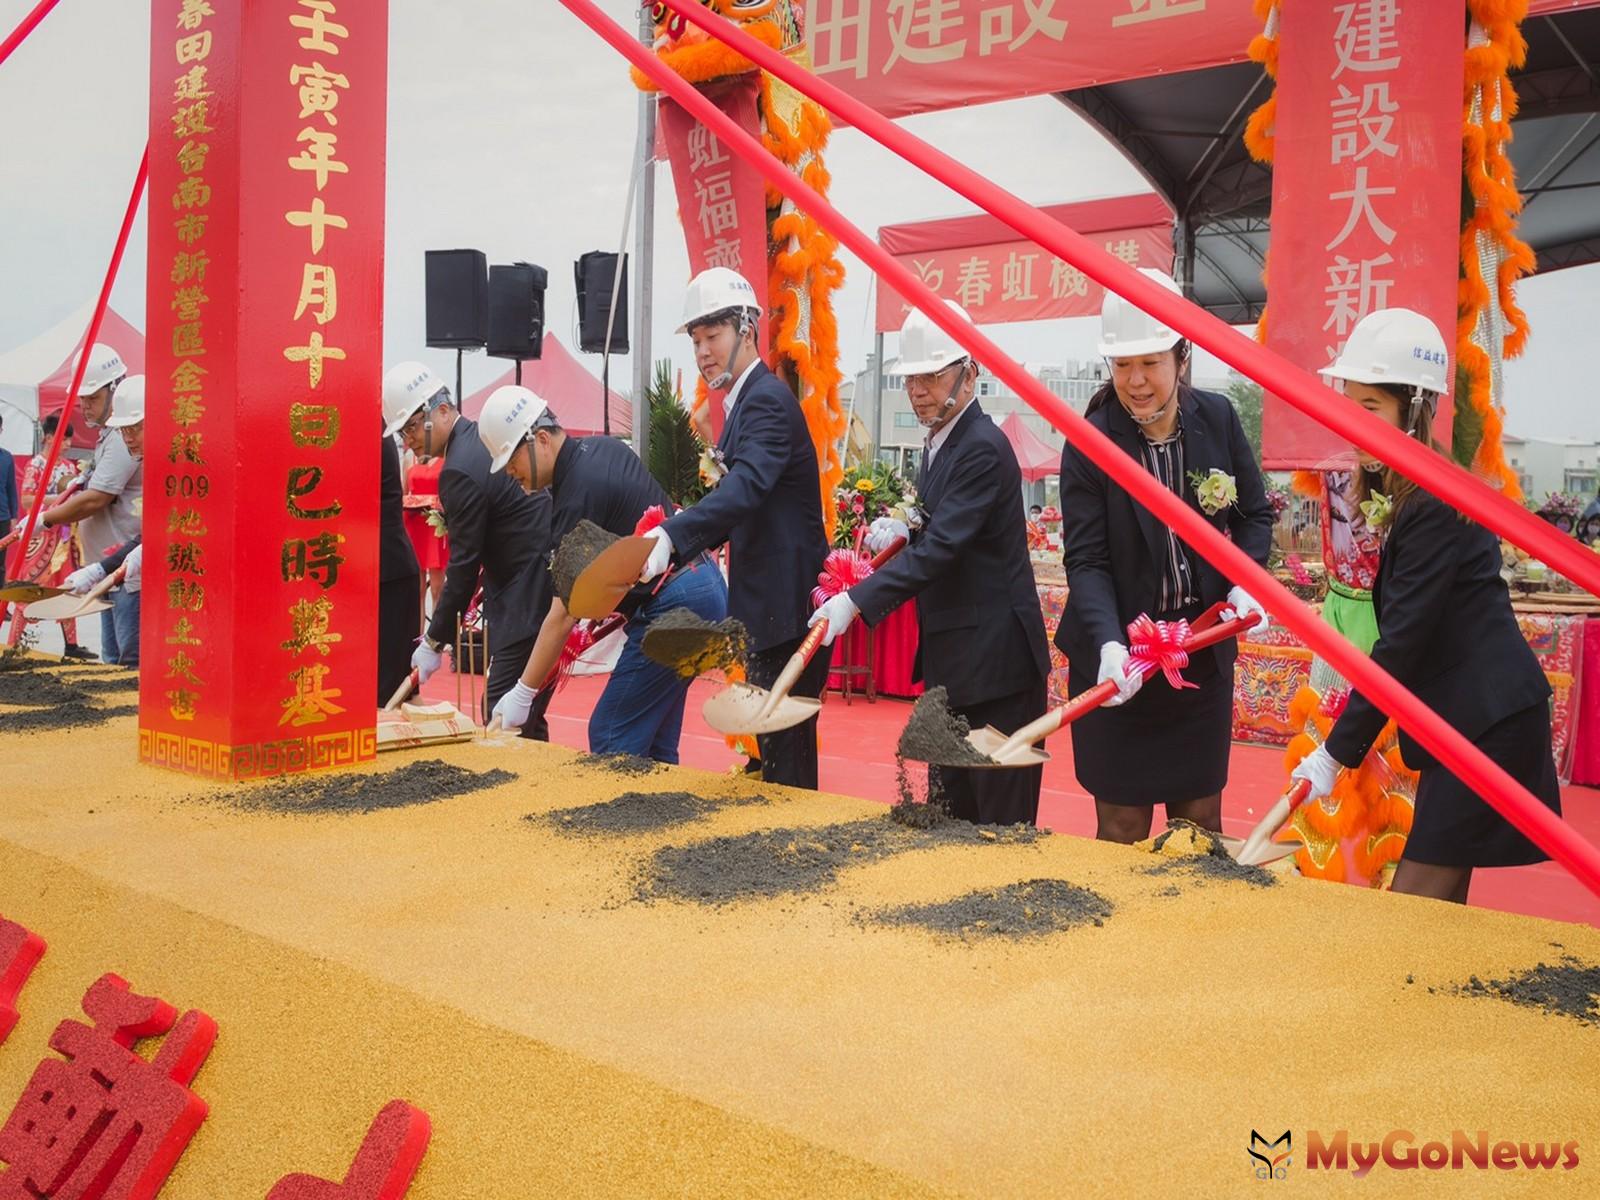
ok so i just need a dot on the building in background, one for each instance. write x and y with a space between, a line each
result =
1545 465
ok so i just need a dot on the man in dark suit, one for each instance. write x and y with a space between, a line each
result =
494 529
767 507
982 634
399 578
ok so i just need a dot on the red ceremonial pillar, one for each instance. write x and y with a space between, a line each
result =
265 304
1366 188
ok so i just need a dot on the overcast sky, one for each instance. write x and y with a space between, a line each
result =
511 129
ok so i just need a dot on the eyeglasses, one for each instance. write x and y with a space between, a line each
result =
414 424
927 379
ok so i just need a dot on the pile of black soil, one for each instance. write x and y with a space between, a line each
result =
577 550
636 812
934 734
1018 910
776 862
1217 863
618 764
687 643
1569 988
38 688
415 783
74 714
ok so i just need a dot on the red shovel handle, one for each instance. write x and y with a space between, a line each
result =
888 552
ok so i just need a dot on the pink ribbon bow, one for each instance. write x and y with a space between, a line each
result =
841 571
1160 646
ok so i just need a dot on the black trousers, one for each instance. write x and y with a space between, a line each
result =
505 666
790 755
991 796
399 622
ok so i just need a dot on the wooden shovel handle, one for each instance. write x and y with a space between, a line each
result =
407 686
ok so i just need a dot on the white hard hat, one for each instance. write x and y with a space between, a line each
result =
105 366
1127 331
925 348
127 403
715 290
1395 345
510 414
407 387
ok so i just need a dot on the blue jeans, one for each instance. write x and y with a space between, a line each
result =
641 710
119 629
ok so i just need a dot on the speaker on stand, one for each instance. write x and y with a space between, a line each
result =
456 283
516 312
602 280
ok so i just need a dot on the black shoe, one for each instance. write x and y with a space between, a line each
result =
82 652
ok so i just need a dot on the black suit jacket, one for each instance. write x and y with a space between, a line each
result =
496 527
1116 548
397 558
768 508
1445 630
977 605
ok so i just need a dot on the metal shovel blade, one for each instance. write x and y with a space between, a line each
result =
737 710
27 593
1273 852
988 741
64 607
605 581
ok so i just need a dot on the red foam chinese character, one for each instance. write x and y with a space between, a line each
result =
383 1167
20 952
102 1123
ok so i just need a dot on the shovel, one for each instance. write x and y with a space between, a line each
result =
407 686
598 590
744 708
1259 847
66 606
20 591
1017 750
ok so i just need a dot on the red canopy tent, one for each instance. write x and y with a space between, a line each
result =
1034 457
562 382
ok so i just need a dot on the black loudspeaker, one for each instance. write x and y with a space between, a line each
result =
595 272
516 310
457 283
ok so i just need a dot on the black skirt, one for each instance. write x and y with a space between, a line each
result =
1164 746
1454 827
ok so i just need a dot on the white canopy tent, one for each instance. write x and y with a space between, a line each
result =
26 368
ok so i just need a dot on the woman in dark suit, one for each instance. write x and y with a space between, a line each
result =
1170 746
1445 630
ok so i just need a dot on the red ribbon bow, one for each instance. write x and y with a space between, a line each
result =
1160 646
841 571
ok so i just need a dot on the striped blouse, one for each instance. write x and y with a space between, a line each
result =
1164 460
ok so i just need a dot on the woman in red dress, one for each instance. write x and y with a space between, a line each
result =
424 522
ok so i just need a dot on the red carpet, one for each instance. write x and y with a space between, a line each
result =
858 760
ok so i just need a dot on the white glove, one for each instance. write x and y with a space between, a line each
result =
1114 666
885 530
84 578
838 612
133 565
425 660
1320 769
1247 605
660 555
512 708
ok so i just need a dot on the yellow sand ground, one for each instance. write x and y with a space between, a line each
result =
569 1040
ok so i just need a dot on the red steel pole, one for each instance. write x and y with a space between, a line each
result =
83 358
28 25
1465 760
1298 387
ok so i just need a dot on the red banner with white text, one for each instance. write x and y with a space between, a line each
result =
1366 187
979 262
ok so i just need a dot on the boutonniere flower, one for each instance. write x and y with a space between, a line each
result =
712 467
1215 490
1375 510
